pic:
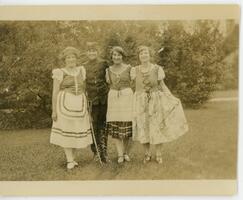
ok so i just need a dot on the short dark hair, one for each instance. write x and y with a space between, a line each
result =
91 45
119 50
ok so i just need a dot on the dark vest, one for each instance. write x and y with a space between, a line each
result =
120 81
147 82
96 86
68 83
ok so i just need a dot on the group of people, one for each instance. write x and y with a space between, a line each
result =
92 101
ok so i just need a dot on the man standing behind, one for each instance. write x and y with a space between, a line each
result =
97 95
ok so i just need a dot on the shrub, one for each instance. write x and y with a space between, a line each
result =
192 61
29 52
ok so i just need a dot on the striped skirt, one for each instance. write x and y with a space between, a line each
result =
72 127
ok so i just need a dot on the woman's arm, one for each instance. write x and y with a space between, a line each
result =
57 76
133 78
83 71
161 76
56 88
107 76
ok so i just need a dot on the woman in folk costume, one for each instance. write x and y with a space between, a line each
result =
71 125
120 100
158 115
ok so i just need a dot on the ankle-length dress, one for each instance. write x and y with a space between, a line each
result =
158 115
72 127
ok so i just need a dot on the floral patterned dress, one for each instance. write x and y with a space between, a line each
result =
158 115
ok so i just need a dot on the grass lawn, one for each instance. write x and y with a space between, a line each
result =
223 94
207 151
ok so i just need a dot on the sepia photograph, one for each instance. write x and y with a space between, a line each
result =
119 100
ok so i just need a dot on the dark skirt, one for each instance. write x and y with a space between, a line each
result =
119 130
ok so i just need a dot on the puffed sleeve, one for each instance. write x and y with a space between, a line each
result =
133 73
57 74
83 71
107 78
161 73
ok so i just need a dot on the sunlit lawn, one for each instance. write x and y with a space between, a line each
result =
207 151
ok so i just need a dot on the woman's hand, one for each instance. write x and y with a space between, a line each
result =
56 89
54 116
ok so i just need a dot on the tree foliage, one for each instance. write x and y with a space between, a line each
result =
29 51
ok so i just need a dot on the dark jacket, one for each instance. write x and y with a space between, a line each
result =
96 85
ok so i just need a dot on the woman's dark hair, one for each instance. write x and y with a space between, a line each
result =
119 50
